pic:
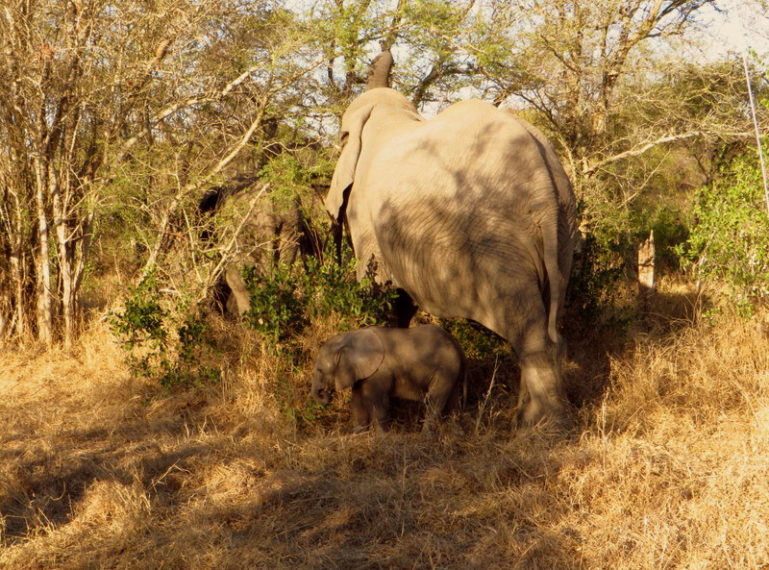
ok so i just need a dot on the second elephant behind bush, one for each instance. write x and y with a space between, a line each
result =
377 363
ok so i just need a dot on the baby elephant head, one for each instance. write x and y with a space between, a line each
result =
344 360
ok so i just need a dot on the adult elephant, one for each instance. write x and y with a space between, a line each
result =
275 230
472 215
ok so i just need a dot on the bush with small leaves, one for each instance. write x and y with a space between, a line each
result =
166 345
729 234
285 301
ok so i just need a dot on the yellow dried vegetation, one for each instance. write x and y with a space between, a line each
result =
668 467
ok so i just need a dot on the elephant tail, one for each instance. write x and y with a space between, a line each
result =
553 270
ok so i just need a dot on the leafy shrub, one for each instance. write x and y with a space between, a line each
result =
278 306
595 276
670 231
602 284
285 301
477 341
729 235
163 345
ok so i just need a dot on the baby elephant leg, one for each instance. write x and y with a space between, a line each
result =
376 393
441 388
374 404
380 412
361 415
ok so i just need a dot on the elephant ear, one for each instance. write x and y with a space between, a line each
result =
359 357
344 173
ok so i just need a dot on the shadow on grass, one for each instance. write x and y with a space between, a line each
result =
593 343
473 496
45 478
225 496
397 501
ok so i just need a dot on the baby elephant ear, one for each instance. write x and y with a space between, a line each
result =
360 357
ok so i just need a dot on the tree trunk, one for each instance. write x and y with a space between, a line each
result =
42 264
646 278
18 270
65 269
17 326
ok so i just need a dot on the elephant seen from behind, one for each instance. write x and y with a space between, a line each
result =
472 215
422 363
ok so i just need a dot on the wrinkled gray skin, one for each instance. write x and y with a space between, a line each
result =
423 363
271 235
472 215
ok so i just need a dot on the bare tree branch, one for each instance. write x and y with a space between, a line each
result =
640 149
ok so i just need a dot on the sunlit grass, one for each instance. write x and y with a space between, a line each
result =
668 467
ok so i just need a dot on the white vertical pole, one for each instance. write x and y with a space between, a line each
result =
756 128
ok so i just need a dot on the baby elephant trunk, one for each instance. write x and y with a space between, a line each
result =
320 391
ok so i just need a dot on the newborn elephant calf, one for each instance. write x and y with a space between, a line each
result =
420 363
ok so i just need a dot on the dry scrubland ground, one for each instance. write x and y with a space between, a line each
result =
669 467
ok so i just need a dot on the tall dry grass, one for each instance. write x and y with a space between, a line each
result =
669 466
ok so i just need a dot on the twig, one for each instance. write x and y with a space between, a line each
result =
645 147
486 397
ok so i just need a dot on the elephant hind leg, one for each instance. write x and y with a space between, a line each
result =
438 395
541 396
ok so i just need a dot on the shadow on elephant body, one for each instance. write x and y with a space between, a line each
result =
482 228
382 364
500 285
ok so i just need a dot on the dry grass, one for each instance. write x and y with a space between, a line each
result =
669 467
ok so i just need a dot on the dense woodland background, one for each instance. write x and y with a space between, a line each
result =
119 117
149 147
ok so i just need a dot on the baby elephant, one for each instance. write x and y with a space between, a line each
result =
420 363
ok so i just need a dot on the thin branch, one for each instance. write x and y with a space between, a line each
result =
643 148
226 252
189 102
192 186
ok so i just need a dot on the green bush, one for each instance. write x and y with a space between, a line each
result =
169 346
670 231
729 233
478 342
595 276
278 305
285 301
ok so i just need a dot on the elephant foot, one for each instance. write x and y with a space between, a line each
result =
555 421
541 402
428 431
